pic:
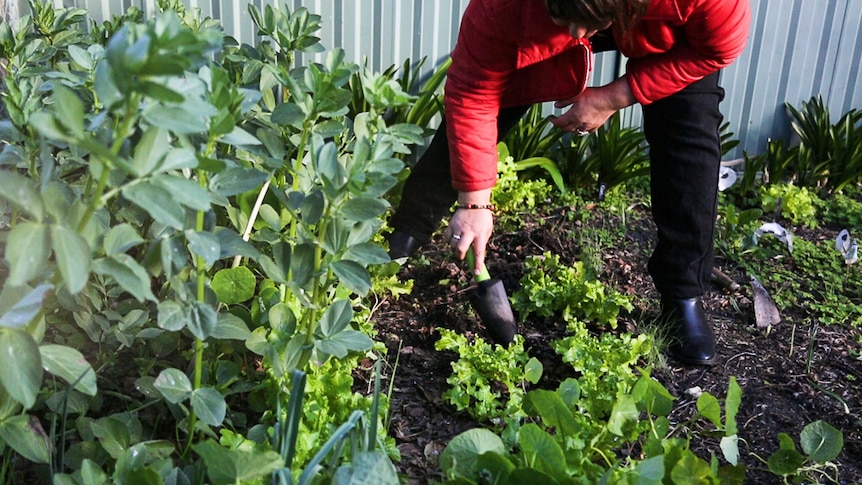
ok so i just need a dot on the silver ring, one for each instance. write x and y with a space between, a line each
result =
582 132
456 237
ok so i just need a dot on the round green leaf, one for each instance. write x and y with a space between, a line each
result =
209 405
821 442
234 285
21 372
785 462
70 365
174 385
463 450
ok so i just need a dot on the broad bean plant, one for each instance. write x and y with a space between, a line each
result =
171 193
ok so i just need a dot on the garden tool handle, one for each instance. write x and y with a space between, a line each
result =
471 264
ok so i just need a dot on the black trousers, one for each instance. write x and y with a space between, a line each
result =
685 153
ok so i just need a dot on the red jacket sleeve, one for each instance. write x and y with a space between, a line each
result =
475 84
679 42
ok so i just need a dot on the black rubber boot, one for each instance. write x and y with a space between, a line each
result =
402 245
693 342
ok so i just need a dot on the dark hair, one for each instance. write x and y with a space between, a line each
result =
597 13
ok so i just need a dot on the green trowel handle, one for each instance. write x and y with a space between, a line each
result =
471 264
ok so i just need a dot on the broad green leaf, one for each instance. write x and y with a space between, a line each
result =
785 462
234 285
329 168
202 320
353 276
462 452
367 253
363 208
150 150
541 451
301 264
272 269
336 318
174 385
282 319
58 198
22 312
239 137
730 448
21 372
70 365
73 257
271 217
650 471
570 392
533 370
69 109
205 245
368 468
288 114
225 466
175 119
27 249
158 202
74 402
185 191
92 474
690 470
709 407
18 190
82 57
231 244
821 442
731 406
128 273
179 158
623 414
173 316
113 434
230 327
162 93
655 397
343 342
25 435
553 411
209 405
237 180
120 239
312 207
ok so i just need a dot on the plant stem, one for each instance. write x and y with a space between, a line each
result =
200 266
121 135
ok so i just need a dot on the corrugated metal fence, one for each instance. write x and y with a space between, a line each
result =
798 49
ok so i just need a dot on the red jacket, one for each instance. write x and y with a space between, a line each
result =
510 53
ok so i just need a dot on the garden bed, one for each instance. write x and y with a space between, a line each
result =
787 380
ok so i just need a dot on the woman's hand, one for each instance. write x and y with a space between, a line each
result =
471 227
592 108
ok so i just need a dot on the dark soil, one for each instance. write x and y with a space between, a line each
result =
786 382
